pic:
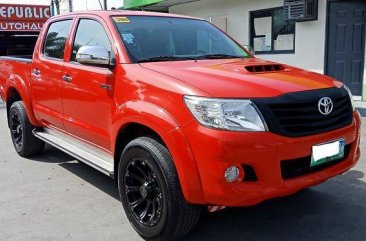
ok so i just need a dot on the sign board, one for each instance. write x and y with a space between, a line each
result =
128 4
23 18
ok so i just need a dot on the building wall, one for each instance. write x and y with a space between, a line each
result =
364 81
309 40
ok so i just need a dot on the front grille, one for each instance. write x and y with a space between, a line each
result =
297 114
301 166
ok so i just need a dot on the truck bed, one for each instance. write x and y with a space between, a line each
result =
14 68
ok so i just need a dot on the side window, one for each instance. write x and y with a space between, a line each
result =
54 46
90 33
270 33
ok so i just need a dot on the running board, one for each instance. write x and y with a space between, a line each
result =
84 152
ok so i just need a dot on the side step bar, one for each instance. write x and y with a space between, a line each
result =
86 153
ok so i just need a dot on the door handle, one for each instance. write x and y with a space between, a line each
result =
106 86
36 72
67 78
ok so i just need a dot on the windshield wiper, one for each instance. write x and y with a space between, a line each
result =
164 58
177 58
219 56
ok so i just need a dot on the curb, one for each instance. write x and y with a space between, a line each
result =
362 112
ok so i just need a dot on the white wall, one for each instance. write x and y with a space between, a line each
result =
309 39
364 78
310 36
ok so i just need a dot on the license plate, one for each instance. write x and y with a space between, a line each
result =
327 152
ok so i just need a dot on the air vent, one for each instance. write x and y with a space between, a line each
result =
301 10
264 68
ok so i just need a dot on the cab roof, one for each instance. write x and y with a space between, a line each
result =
109 13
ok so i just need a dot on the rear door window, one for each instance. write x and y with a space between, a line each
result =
56 38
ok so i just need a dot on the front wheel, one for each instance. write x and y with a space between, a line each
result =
150 192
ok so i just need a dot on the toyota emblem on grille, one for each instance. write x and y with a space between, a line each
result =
325 105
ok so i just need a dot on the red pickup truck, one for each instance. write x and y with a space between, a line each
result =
178 113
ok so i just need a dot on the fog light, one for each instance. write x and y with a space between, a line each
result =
232 174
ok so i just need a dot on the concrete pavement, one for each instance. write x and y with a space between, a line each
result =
54 197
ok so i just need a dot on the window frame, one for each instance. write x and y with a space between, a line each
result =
252 35
78 20
66 42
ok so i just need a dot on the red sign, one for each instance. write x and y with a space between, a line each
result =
29 18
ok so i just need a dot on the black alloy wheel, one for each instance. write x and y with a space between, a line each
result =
16 129
150 192
25 143
143 192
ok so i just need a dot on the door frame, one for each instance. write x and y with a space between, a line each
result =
327 39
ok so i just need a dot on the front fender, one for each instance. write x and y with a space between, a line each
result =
159 120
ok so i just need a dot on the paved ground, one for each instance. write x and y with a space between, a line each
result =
53 197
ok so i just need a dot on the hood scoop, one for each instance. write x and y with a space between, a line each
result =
264 68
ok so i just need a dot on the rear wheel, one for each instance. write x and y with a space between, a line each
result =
150 192
25 143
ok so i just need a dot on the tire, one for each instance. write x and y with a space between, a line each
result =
25 143
146 171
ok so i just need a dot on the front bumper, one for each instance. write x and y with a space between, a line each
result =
216 150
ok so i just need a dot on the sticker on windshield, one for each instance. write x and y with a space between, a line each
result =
121 19
128 38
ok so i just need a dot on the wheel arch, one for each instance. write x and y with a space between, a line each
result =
17 91
146 119
12 96
129 132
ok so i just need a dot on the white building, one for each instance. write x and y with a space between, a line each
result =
333 44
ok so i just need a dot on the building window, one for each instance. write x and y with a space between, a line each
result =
270 33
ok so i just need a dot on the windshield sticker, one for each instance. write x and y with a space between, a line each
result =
128 38
121 19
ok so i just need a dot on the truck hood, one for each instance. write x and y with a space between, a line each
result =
244 78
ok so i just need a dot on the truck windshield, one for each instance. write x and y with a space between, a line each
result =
152 39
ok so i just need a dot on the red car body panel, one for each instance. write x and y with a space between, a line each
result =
151 94
263 151
16 76
230 79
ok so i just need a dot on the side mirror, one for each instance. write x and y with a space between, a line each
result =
93 55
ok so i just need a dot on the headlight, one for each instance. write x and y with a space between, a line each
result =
227 114
350 96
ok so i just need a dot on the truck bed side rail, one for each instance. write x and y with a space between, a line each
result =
23 59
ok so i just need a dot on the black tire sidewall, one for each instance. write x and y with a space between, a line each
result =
16 108
31 145
150 158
